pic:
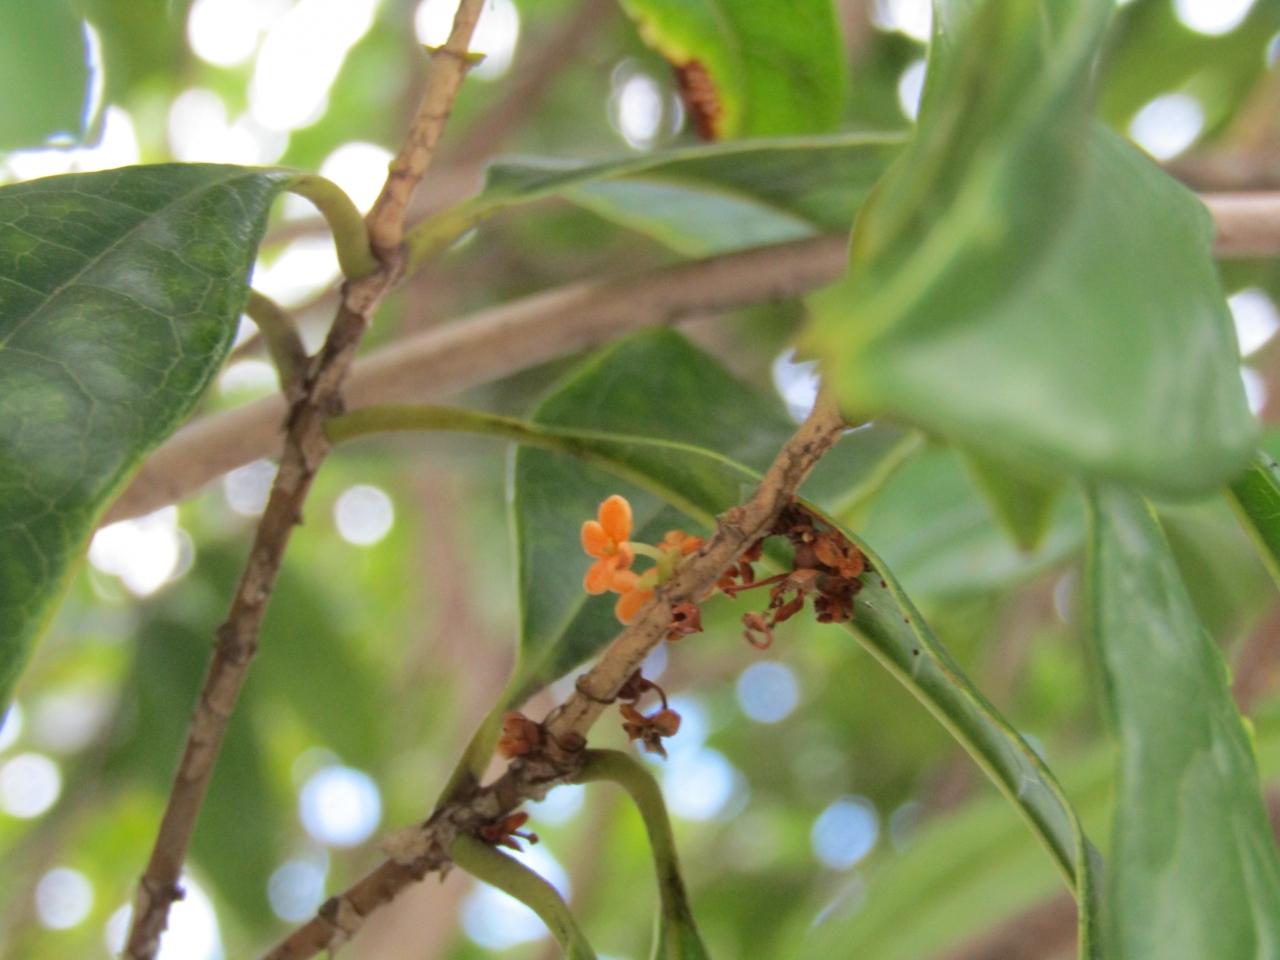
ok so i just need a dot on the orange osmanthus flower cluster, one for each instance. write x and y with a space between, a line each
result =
607 539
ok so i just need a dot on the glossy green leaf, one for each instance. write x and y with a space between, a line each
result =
1023 505
697 200
1229 585
1193 870
119 295
658 385
43 72
1029 286
764 68
1255 495
943 539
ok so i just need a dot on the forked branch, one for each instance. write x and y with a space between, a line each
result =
418 851
318 397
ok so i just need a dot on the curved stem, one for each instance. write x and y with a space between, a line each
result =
512 877
350 235
677 927
588 446
281 336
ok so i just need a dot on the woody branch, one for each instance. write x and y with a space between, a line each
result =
420 850
318 397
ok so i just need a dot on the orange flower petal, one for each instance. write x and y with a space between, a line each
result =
600 576
623 581
615 517
594 540
630 604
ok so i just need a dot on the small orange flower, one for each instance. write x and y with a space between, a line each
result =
678 540
605 538
631 602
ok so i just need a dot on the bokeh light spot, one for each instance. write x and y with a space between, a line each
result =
911 88
340 806
698 784
192 933
845 832
496 35
224 32
559 806
29 785
11 726
143 552
300 58
64 898
1212 17
768 691
1256 318
364 515
1255 389
296 890
360 169
247 488
912 17
1167 125
796 382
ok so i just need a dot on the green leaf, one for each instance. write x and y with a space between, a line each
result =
43 72
1028 285
972 870
120 292
657 385
1255 495
1193 868
943 539
697 200
760 68
1022 504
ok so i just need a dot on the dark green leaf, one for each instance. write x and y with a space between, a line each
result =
43 73
758 68
119 295
943 540
1255 494
1029 286
697 200
1023 504
1193 867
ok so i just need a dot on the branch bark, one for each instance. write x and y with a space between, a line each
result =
420 850
489 345
305 448
502 340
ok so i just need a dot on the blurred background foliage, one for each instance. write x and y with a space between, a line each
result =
813 798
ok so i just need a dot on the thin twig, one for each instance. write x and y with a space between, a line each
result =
284 344
536 68
305 449
448 66
422 849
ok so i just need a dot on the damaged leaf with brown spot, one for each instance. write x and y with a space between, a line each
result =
745 68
